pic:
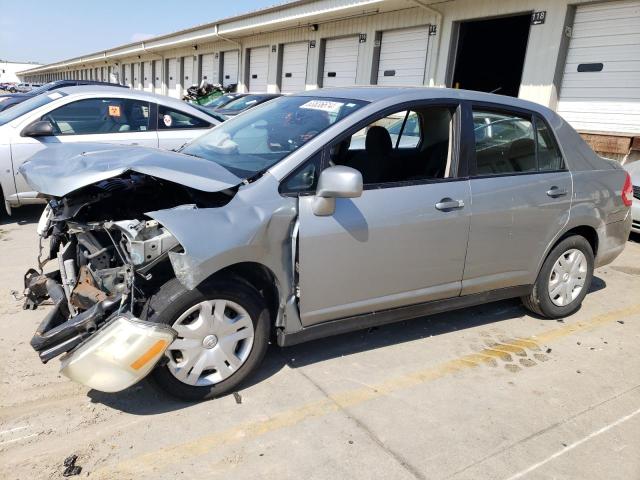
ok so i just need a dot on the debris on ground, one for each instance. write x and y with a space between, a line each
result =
238 398
71 468
621 322
548 350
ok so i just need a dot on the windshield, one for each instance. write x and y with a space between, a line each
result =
221 100
254 141
244 102
20 109
44 88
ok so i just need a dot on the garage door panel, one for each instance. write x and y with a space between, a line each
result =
230 67
173 78
207 69
294 67
157 76
608 100
258 69
187 77
403 56
340 62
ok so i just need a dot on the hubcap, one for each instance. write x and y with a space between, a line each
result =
214 340
567 277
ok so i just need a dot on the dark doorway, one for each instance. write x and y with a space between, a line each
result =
490 54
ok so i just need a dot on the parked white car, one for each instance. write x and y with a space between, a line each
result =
89 114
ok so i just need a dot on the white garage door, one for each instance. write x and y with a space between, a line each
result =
340 62
126 70
230 67
403 56
173 78
157 76
188 77
294 67
258 69
147 77
208 69
137 79
601 84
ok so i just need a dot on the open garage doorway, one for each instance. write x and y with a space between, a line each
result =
490 54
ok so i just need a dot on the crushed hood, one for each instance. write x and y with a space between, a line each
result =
61 169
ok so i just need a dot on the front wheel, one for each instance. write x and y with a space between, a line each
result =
223 334
564 279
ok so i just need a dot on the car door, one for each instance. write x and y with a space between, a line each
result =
402 242
176 127
521 195
102 120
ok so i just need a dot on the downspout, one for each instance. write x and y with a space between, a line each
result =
240 55
164 87
433 64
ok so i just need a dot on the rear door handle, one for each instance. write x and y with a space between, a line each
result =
449 204
555 192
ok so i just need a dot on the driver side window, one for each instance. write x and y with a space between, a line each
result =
406 146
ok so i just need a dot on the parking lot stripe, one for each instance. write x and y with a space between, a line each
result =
182 451
568 448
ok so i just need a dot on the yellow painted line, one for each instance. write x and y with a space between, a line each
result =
179 453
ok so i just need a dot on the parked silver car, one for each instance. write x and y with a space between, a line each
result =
273 226
89 114
634 172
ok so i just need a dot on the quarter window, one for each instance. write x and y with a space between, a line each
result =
549 157
170 119
100 115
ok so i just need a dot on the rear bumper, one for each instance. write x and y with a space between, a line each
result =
613 240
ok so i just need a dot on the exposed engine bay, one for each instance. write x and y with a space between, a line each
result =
101 257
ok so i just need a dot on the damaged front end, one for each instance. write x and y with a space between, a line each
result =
100 260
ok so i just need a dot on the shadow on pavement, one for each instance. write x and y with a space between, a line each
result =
144 399
26 215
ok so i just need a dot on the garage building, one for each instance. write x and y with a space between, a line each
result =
579 57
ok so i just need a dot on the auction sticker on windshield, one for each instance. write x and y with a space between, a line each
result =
114 110
54 96
324 105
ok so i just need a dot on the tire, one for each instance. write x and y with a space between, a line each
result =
540 300
177 373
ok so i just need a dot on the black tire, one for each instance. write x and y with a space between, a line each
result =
539 301
173 299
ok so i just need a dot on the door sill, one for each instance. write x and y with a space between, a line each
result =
374 319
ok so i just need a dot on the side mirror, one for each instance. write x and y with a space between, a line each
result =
41 128
336 182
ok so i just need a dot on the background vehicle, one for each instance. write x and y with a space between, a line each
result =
8 101
90 114
634 171
23 87
242 104
270 225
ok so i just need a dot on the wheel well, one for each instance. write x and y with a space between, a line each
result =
589 233
259 277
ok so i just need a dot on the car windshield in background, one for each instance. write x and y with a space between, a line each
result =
44 88
20 109
261 137
218 101
244 102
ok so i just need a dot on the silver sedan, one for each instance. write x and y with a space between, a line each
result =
89 114
276 225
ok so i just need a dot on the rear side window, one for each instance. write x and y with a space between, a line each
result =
505 143
549 157
508 143
100 115
171 119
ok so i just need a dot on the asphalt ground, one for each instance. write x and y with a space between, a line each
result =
484 393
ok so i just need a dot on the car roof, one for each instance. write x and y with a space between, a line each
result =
375 93
124 93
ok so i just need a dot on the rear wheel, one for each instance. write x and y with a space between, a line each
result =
564 279
223 333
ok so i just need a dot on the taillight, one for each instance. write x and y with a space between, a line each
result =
627 191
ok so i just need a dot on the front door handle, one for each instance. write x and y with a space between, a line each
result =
449 204
555 192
